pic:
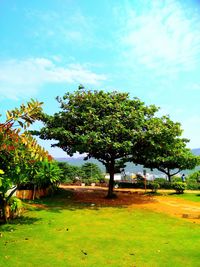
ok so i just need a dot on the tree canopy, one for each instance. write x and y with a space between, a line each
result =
105 125
162 147
110 126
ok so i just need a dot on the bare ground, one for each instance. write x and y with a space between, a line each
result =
132 198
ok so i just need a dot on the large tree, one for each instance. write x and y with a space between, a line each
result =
162 147
105 125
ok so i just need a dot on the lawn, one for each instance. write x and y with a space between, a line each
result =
195 197
59 232
188 195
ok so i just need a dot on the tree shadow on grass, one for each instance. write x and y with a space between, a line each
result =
22 220
73 200
87 198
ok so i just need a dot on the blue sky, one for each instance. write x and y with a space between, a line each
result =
150 49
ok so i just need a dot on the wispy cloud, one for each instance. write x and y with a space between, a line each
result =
195 87
163 37
26 77
62 27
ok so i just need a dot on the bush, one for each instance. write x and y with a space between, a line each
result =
89 181
195 177
122 184
192 185
193 181
154 186
179 187
164 184
176 179
15 207
160 180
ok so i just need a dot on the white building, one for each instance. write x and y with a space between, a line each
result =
117 176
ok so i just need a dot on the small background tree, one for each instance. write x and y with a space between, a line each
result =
71 174
162 147
91 173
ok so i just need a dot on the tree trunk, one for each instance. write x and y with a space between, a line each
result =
34 191
168 175
111 181
3 205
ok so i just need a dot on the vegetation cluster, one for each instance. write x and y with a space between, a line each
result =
88 173
192 182
108 126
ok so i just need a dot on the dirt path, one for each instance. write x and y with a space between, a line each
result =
176 207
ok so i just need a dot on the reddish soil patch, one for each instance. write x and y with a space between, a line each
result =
133 199
123 198
177 207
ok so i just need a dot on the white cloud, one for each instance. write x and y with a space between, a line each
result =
25 77
163 37
195 86
63 27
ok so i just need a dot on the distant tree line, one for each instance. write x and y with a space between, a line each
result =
87 173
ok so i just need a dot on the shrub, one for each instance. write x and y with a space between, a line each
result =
193 181
179 187
176 179
15 207
195 176
123 184
160 180
164 184
89 180
154 186
192 185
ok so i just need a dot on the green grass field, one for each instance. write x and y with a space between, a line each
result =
195 197
69 234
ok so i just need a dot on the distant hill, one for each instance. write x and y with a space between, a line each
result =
130 167
196 151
